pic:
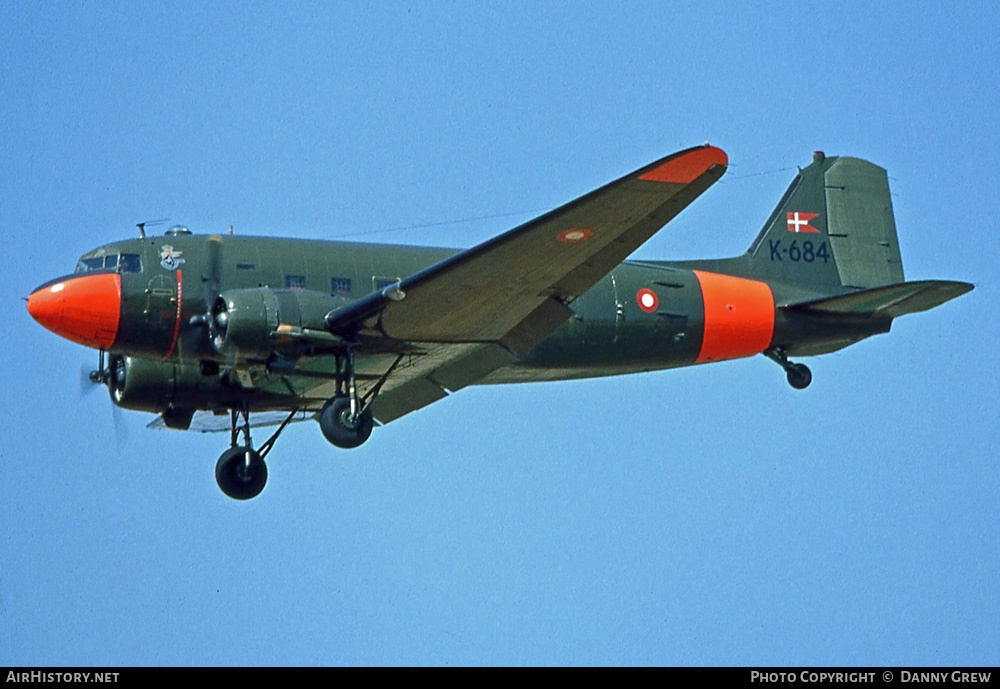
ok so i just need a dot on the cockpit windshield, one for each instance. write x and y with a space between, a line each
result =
123 263
88 264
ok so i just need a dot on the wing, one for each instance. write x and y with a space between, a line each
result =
477 310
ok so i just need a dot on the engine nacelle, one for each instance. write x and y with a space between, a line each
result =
156 386
177 390
245 320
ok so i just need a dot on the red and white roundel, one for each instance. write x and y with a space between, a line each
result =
647 299
574 235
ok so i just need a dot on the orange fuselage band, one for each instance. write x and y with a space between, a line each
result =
739 317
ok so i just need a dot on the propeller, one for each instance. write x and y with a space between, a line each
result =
218 319
210 325
114 378
103 375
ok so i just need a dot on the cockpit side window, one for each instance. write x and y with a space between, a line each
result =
130 263
111 261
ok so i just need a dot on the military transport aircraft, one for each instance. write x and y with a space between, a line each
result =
351 334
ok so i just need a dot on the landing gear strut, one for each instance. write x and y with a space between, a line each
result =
241 472
799 376
346 420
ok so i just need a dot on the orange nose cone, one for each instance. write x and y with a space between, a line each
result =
82 309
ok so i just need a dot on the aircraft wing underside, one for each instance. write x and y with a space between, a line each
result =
207 422
404 382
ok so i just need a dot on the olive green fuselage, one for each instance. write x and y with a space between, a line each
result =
609 333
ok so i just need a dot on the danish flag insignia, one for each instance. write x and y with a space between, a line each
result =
799 222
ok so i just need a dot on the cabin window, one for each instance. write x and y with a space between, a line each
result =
130 263
245 266
295 281
340 285
382 283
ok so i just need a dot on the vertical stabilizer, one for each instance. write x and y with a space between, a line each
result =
833 227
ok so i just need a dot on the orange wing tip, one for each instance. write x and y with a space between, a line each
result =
688 166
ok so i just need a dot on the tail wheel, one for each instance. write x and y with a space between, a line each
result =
342 428
799 376
241 473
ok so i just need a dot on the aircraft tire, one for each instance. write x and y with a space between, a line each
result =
799 376
338 427
236 479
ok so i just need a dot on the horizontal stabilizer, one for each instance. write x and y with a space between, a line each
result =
887 302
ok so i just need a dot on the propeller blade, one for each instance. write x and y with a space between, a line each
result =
121 430
214 246
202 325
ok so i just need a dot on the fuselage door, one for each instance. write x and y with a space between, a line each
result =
161 303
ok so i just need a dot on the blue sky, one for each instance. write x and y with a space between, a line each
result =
709 515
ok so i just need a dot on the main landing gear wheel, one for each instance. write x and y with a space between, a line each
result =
343 429
799 376
241 473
